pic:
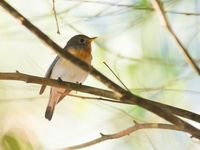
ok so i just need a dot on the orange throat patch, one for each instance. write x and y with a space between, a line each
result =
83 54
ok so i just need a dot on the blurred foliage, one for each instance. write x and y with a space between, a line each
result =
17 139
11 142
131 41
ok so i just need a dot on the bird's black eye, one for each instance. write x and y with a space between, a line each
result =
82 40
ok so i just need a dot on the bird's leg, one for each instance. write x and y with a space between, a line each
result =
79 84
62 94
60 80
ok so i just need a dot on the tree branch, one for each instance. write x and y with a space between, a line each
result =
51 82
123 133
92 90
122 94
163 19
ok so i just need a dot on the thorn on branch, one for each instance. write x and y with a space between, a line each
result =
102 135
135 122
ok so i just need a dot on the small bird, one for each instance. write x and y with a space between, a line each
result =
64 70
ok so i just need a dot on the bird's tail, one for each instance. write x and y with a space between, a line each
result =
55 97
49 112
50 109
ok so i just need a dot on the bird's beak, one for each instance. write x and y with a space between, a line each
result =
91 39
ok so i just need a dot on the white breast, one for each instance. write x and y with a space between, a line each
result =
68 72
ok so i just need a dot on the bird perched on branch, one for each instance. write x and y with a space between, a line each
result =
80 46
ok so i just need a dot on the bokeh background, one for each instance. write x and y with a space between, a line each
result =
131 41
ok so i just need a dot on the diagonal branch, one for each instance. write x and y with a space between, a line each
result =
123 133
163 19
122 94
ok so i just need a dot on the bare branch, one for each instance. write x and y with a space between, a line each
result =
111 97
164 22
51 82
54 11
122 94
123 133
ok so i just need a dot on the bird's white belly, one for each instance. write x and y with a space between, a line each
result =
68 72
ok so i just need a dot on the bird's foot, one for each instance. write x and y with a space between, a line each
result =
79 83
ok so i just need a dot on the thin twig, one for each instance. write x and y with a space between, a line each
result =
138 7
55 15
87 97
24 99
116 76
123 133
165 89
163 19
182 13
115 4
121 93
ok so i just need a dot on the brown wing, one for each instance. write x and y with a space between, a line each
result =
48 73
